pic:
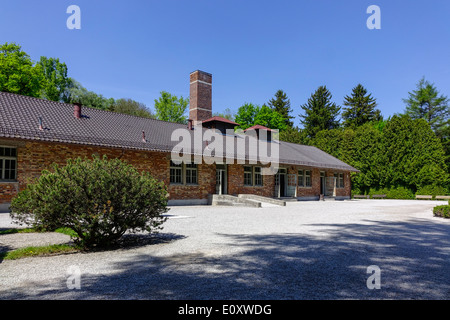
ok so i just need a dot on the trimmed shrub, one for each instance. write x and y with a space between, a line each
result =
400 193
433 191
98 199
442 211
393 193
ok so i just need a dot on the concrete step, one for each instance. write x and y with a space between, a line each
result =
257 198
229 200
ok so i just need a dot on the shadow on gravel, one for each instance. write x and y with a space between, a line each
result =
413 257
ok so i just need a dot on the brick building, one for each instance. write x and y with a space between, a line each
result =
35 133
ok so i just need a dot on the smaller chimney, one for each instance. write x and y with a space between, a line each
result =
143 137
40 124
77 110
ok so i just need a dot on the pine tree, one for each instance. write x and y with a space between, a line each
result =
320 112
361 108
426 103
282 105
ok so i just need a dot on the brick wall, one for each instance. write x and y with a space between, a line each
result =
33 157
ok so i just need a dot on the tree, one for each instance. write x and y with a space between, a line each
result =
18 74
282 105
246 115
320 112
415 155
426 103
269 118
250 115
171 108
294 135
99 199
131 107
227 114
361 108
57 84
79 94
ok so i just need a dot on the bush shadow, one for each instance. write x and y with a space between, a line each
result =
330 264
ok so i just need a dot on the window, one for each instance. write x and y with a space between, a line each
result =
191 173
253 176
183 173
258 176
248 176
339 180
8 163
176 173
308 178
300 178
304 178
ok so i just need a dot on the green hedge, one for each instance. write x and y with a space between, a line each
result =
394 193
442 211
433 191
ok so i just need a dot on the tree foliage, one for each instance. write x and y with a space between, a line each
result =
360 108
98 199
250 115
131 107
79 94
57 84
18 73
320 113
171 108
281 104
427 103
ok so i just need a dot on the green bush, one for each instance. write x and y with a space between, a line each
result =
433 191
400 193
442 211
98 199
393 193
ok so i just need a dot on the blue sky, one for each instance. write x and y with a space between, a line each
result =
135 49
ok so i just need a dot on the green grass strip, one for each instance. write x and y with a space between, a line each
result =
37 251
14 230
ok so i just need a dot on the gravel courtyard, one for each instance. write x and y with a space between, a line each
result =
306 250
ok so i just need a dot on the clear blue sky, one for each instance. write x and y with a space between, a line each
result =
135 49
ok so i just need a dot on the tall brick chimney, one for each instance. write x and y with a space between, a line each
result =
200 96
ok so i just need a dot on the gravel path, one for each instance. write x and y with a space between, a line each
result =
306 250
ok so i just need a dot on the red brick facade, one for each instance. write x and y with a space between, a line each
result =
33 157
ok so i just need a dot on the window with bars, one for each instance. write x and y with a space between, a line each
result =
8 164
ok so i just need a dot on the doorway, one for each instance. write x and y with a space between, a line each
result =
281 183
221 179
322 182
